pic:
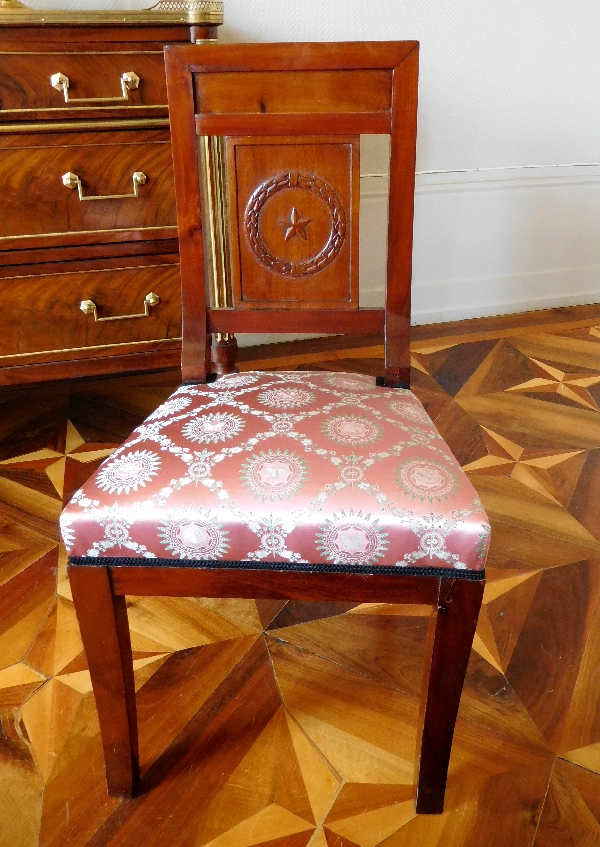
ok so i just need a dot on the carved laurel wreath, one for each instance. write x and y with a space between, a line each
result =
316 186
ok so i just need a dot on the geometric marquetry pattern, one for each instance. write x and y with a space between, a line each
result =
293 724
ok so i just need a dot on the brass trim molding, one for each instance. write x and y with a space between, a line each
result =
89 231
174 339
213 175
74 126
93 271
199 12
212 169
70 109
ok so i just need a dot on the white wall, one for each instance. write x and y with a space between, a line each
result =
492 242
505 85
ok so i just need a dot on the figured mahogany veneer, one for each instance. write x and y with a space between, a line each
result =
42 313
37 203
25 88
352 91
44 224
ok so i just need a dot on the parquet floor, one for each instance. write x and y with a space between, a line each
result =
294 725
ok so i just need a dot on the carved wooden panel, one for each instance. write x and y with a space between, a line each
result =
294 210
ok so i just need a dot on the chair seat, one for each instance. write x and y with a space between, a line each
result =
317 470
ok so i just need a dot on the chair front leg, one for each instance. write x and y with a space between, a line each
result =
102 617
449 642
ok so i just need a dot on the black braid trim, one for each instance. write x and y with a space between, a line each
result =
122 562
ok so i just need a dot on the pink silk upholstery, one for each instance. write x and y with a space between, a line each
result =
302 467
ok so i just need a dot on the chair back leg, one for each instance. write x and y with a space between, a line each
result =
449 642
104 629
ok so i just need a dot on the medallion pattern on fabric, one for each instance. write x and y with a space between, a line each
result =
175 404
128 472
213 427
425 479
308 468
199 465
285 398
235 381
348 429
272 475
351 539
408 411
192 534
348 381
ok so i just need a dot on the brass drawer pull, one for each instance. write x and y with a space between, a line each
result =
88 307
72 181
129 81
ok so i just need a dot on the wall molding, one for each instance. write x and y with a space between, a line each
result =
492 241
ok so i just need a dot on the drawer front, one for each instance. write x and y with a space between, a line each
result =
43 313
36 201
34 81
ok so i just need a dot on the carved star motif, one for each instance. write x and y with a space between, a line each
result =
295 227
525 464
554 381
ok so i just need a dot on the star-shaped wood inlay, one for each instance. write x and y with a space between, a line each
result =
420 352
295 226
65 470
506 603
551 380
524 464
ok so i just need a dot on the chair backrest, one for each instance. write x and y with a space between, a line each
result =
292 116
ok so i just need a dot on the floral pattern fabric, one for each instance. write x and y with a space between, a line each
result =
306 468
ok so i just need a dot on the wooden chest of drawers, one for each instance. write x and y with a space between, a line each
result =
89 274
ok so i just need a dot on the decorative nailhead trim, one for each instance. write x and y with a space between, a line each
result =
118 562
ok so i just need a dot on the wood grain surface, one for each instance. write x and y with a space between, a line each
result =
272 174
44 224
294 224
288 724
25 81
93 58
35 201
42 313
322 91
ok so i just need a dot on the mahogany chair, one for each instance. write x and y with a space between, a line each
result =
304 485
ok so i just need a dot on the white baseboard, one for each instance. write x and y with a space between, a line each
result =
492 242
488 242
519 293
